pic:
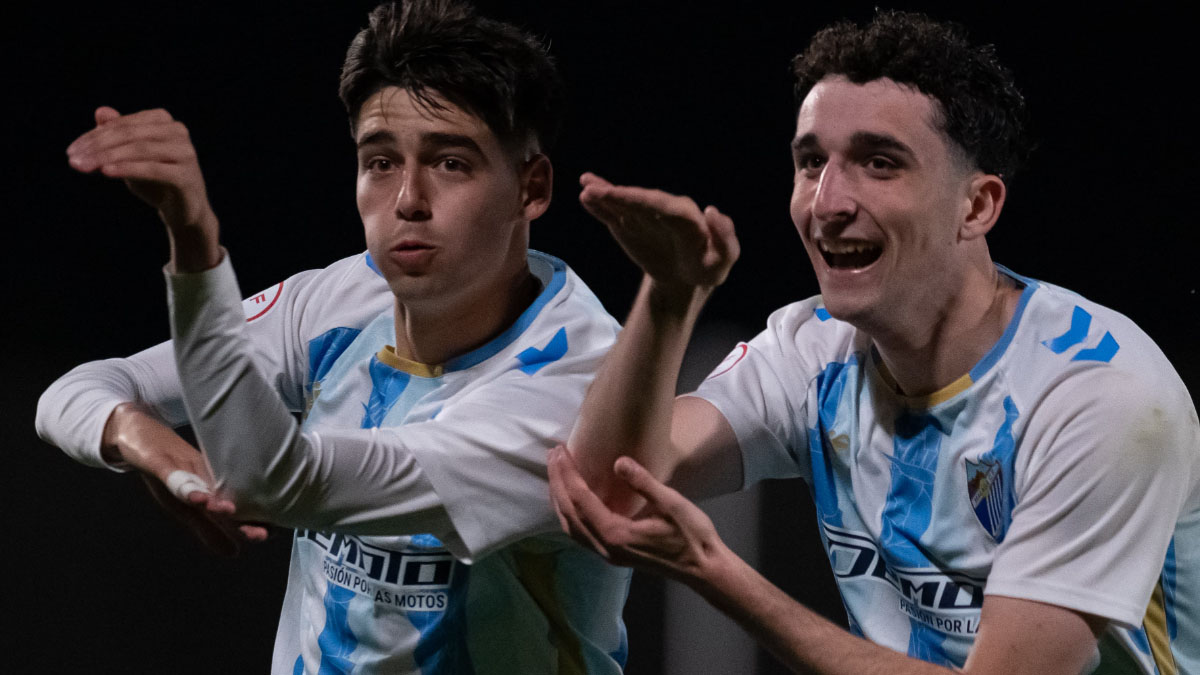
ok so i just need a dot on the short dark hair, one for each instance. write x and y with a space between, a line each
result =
442 48
980 108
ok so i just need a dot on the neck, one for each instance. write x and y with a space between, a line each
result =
434 334
926 355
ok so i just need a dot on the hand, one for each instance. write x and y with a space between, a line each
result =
668 236
177 477
670 535
153 154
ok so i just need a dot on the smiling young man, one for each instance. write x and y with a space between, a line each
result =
427 409
1005 473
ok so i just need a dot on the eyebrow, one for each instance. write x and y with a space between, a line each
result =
867 141
380 137
443 140
860 142
433 140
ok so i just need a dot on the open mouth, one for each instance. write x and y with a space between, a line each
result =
849 255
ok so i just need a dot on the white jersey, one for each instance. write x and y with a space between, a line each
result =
1063 468
397 468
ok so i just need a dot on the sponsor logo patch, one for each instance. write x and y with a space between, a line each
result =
257 305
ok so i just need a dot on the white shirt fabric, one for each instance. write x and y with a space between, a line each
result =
395 473
1063 468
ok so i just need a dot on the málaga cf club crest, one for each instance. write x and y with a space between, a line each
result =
985 487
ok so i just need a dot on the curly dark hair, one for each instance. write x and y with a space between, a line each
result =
980 108
442 48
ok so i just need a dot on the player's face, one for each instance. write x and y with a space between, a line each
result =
878 192
442 203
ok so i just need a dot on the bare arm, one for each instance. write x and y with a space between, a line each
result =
671 536
631 407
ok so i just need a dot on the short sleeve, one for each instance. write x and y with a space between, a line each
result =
1107 465
760 388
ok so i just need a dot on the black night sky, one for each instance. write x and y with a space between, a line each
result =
691 97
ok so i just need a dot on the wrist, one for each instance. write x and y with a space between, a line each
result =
679 300
195 247
115 430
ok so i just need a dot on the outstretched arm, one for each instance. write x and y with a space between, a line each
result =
631 407
94 413
671 536
357 481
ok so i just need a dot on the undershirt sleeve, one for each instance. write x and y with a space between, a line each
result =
475 477
73 411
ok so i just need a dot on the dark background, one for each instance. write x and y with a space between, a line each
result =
691 97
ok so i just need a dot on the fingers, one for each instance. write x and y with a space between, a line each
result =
569 491
252 532
216 536
119 141
635 475
183 484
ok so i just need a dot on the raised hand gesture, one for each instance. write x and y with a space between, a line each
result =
153 154
668 236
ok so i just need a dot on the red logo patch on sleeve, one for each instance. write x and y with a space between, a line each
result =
738 353
257 305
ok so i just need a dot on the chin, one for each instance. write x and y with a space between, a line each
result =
852 309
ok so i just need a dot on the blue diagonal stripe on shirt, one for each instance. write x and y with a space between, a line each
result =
831 386
908 512
336 640
442 647
387 384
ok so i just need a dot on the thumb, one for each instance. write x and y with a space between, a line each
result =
104 114
724 237
588 178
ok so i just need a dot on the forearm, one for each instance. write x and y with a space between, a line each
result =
797 636
357 481
244 429
628 407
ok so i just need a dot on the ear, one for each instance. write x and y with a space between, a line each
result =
985 199
537 186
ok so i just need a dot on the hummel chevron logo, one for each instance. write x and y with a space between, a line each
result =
1081 321
534 359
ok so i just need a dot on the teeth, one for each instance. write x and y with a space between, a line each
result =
844 247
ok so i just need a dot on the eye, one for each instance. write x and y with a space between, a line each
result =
882 165
379 165
809 162
453 165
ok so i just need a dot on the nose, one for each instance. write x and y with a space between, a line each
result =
834 200
412 201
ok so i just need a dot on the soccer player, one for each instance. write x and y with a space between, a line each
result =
429 398
1005 473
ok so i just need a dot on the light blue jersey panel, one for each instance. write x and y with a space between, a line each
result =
989 485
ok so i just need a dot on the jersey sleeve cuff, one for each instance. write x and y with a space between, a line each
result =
1118 610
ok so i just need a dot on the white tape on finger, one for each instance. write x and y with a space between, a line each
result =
183 483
